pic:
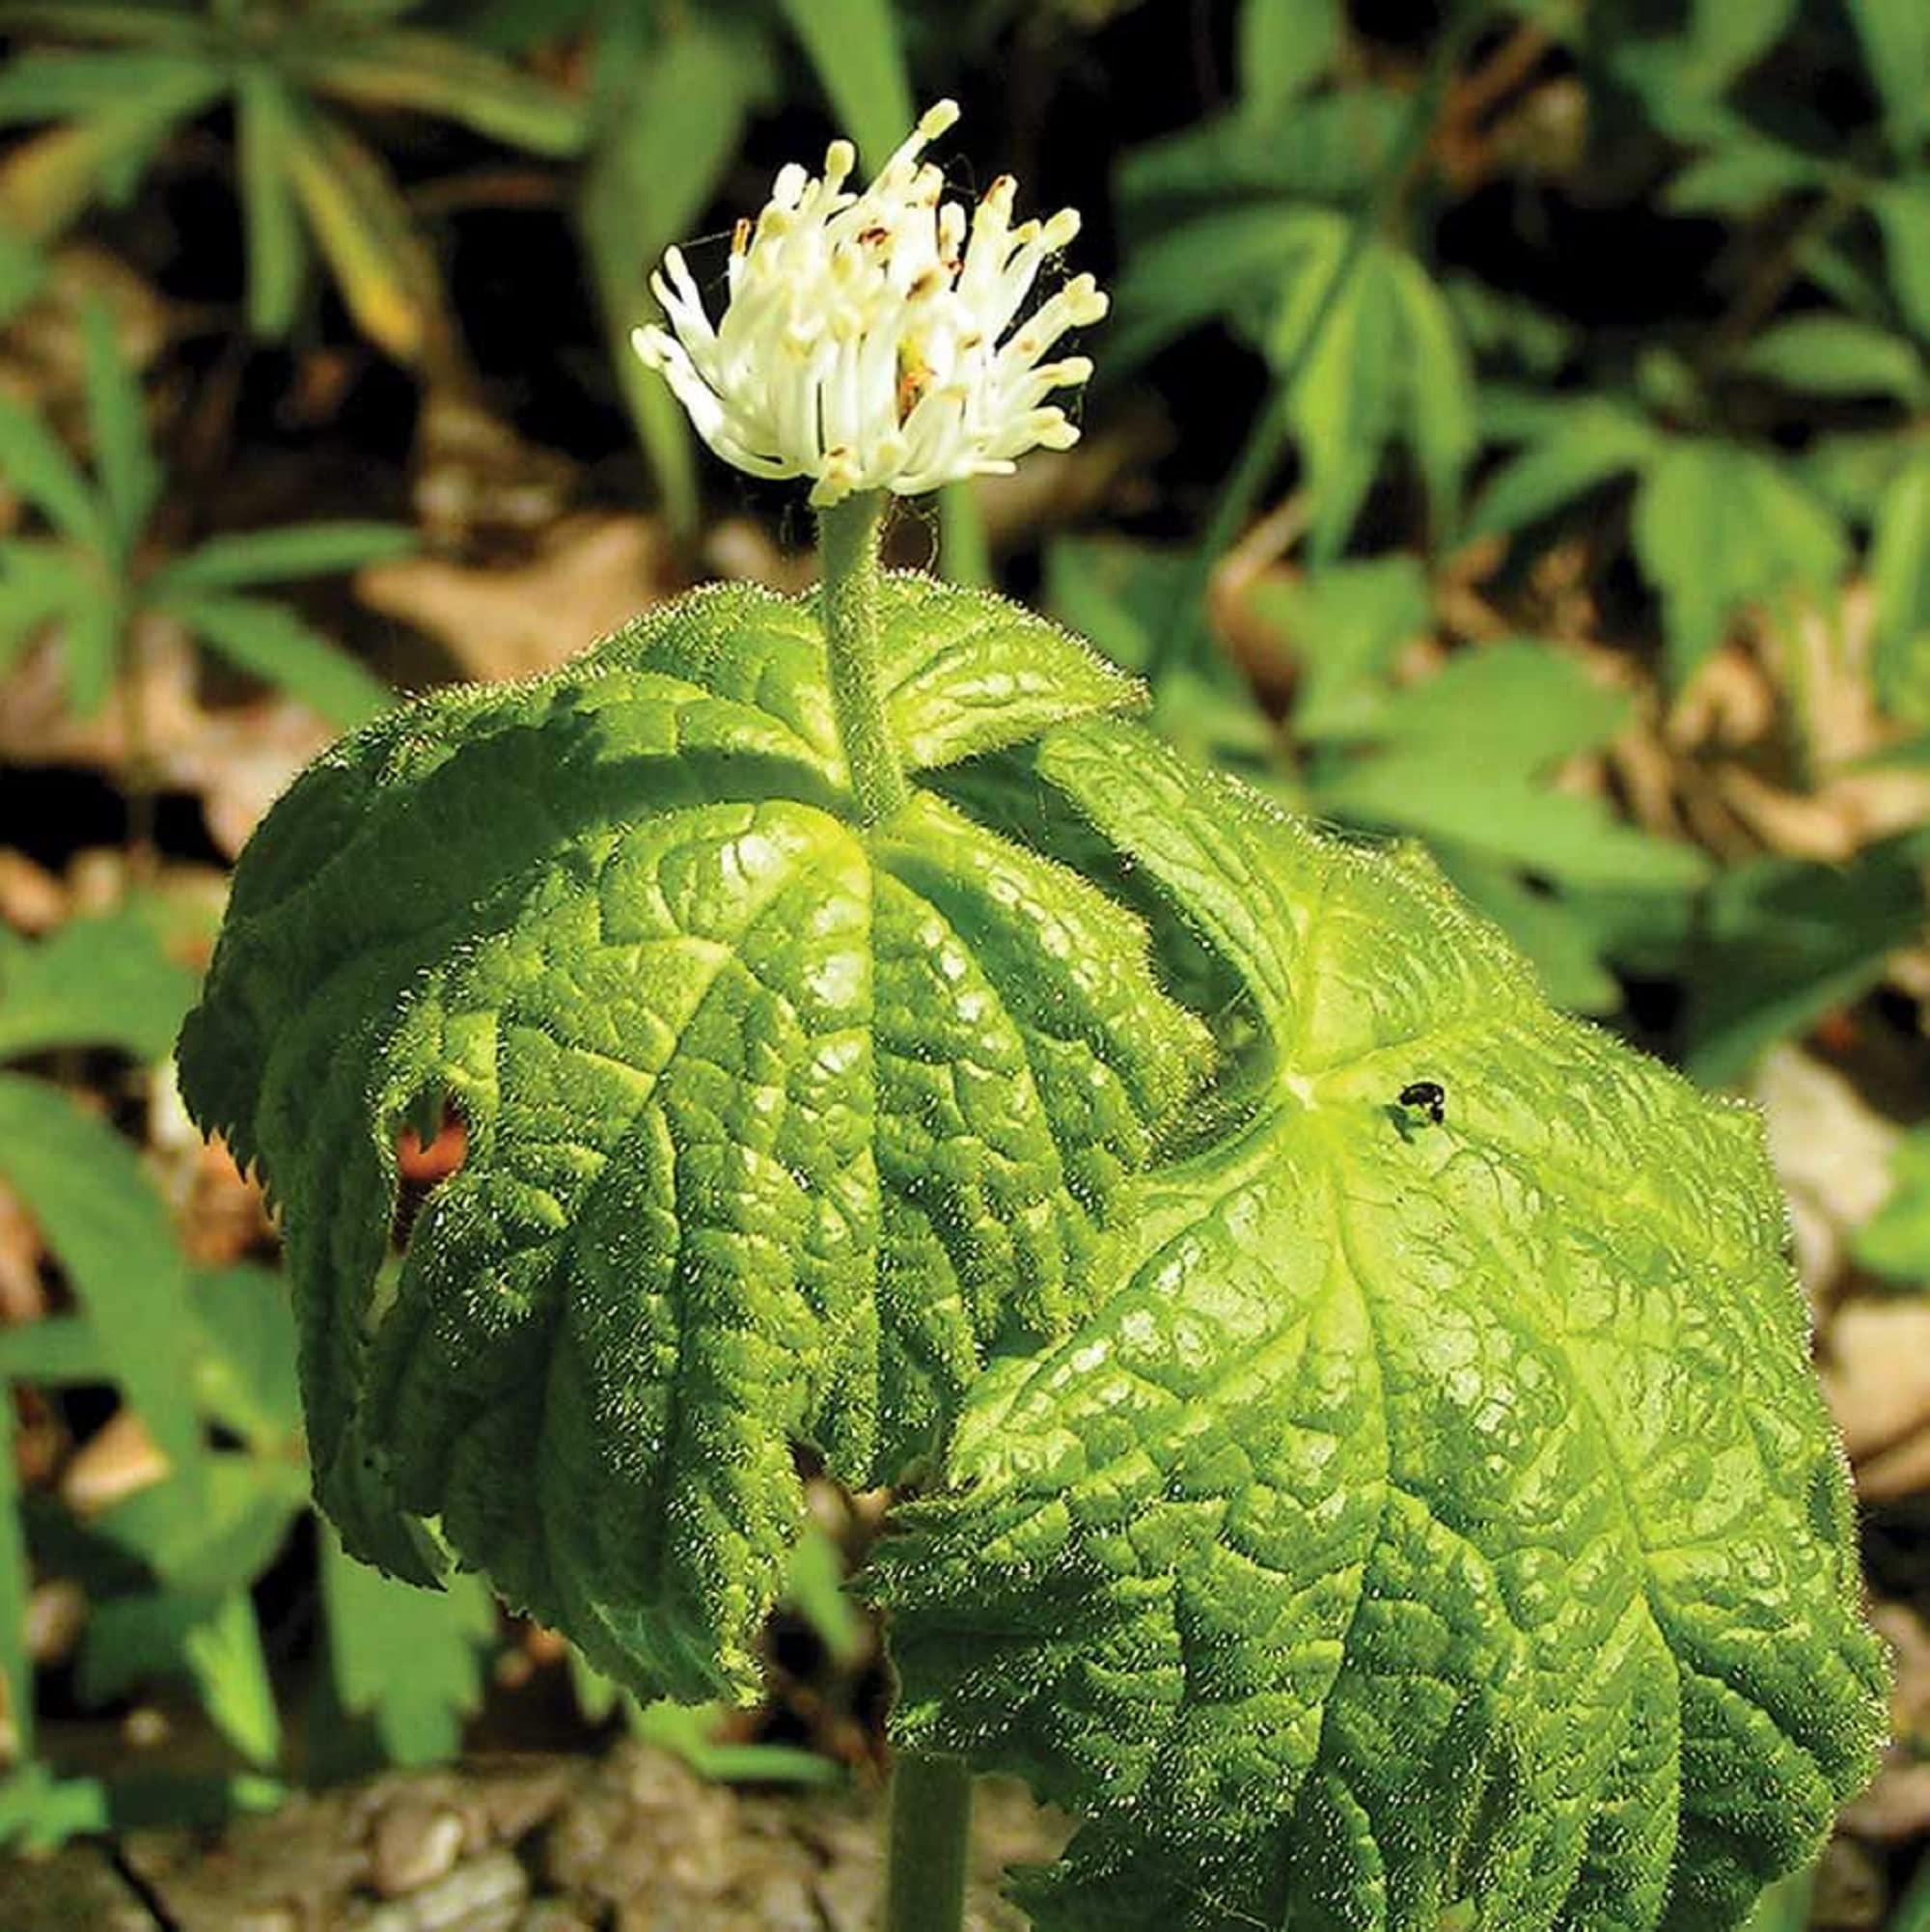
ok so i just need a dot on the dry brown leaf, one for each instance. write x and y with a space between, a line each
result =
23 1295
1831 1150
32 899
236 758
1876 1372
119 1459
590 575
475 478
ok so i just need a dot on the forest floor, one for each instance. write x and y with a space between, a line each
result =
631 1843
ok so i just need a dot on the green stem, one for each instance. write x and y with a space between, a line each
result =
931 1828
848 543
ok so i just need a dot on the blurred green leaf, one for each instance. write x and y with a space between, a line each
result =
39 581
1285 46
215 1646
1836 355
23 273
101 1215
1741 177
215 1537
35 464
40 1811
404 1658
92 640
270 217
670 115
362 225
57 84
815 1587
16 1668
1895 36
1718 528
1584 446
1900 577
122 457
1462 757
853 44
46 181
55 1351
1561 836
1895 1240
245 1359
95 981
1728 36
292 550
270 642
689 1731
1902 210
1785 1906
1343 625
438 74
1784 941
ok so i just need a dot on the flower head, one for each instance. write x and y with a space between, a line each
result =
873 341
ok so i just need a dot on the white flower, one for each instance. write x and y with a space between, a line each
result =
865 339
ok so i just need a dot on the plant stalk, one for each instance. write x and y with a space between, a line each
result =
847 542
931 1829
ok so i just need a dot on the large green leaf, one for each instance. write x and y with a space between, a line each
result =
779 1125
1442 1525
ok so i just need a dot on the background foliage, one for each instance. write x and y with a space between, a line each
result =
1513 431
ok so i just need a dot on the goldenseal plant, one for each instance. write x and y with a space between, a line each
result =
1353 1428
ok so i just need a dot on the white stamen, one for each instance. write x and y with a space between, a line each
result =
866 340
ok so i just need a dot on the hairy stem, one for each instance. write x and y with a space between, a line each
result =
848 543
931 1826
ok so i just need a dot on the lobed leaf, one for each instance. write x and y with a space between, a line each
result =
778 1125
1442 1523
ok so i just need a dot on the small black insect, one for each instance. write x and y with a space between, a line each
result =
1429 1097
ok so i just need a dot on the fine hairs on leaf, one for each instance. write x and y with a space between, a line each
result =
1349 1513
1354 1441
